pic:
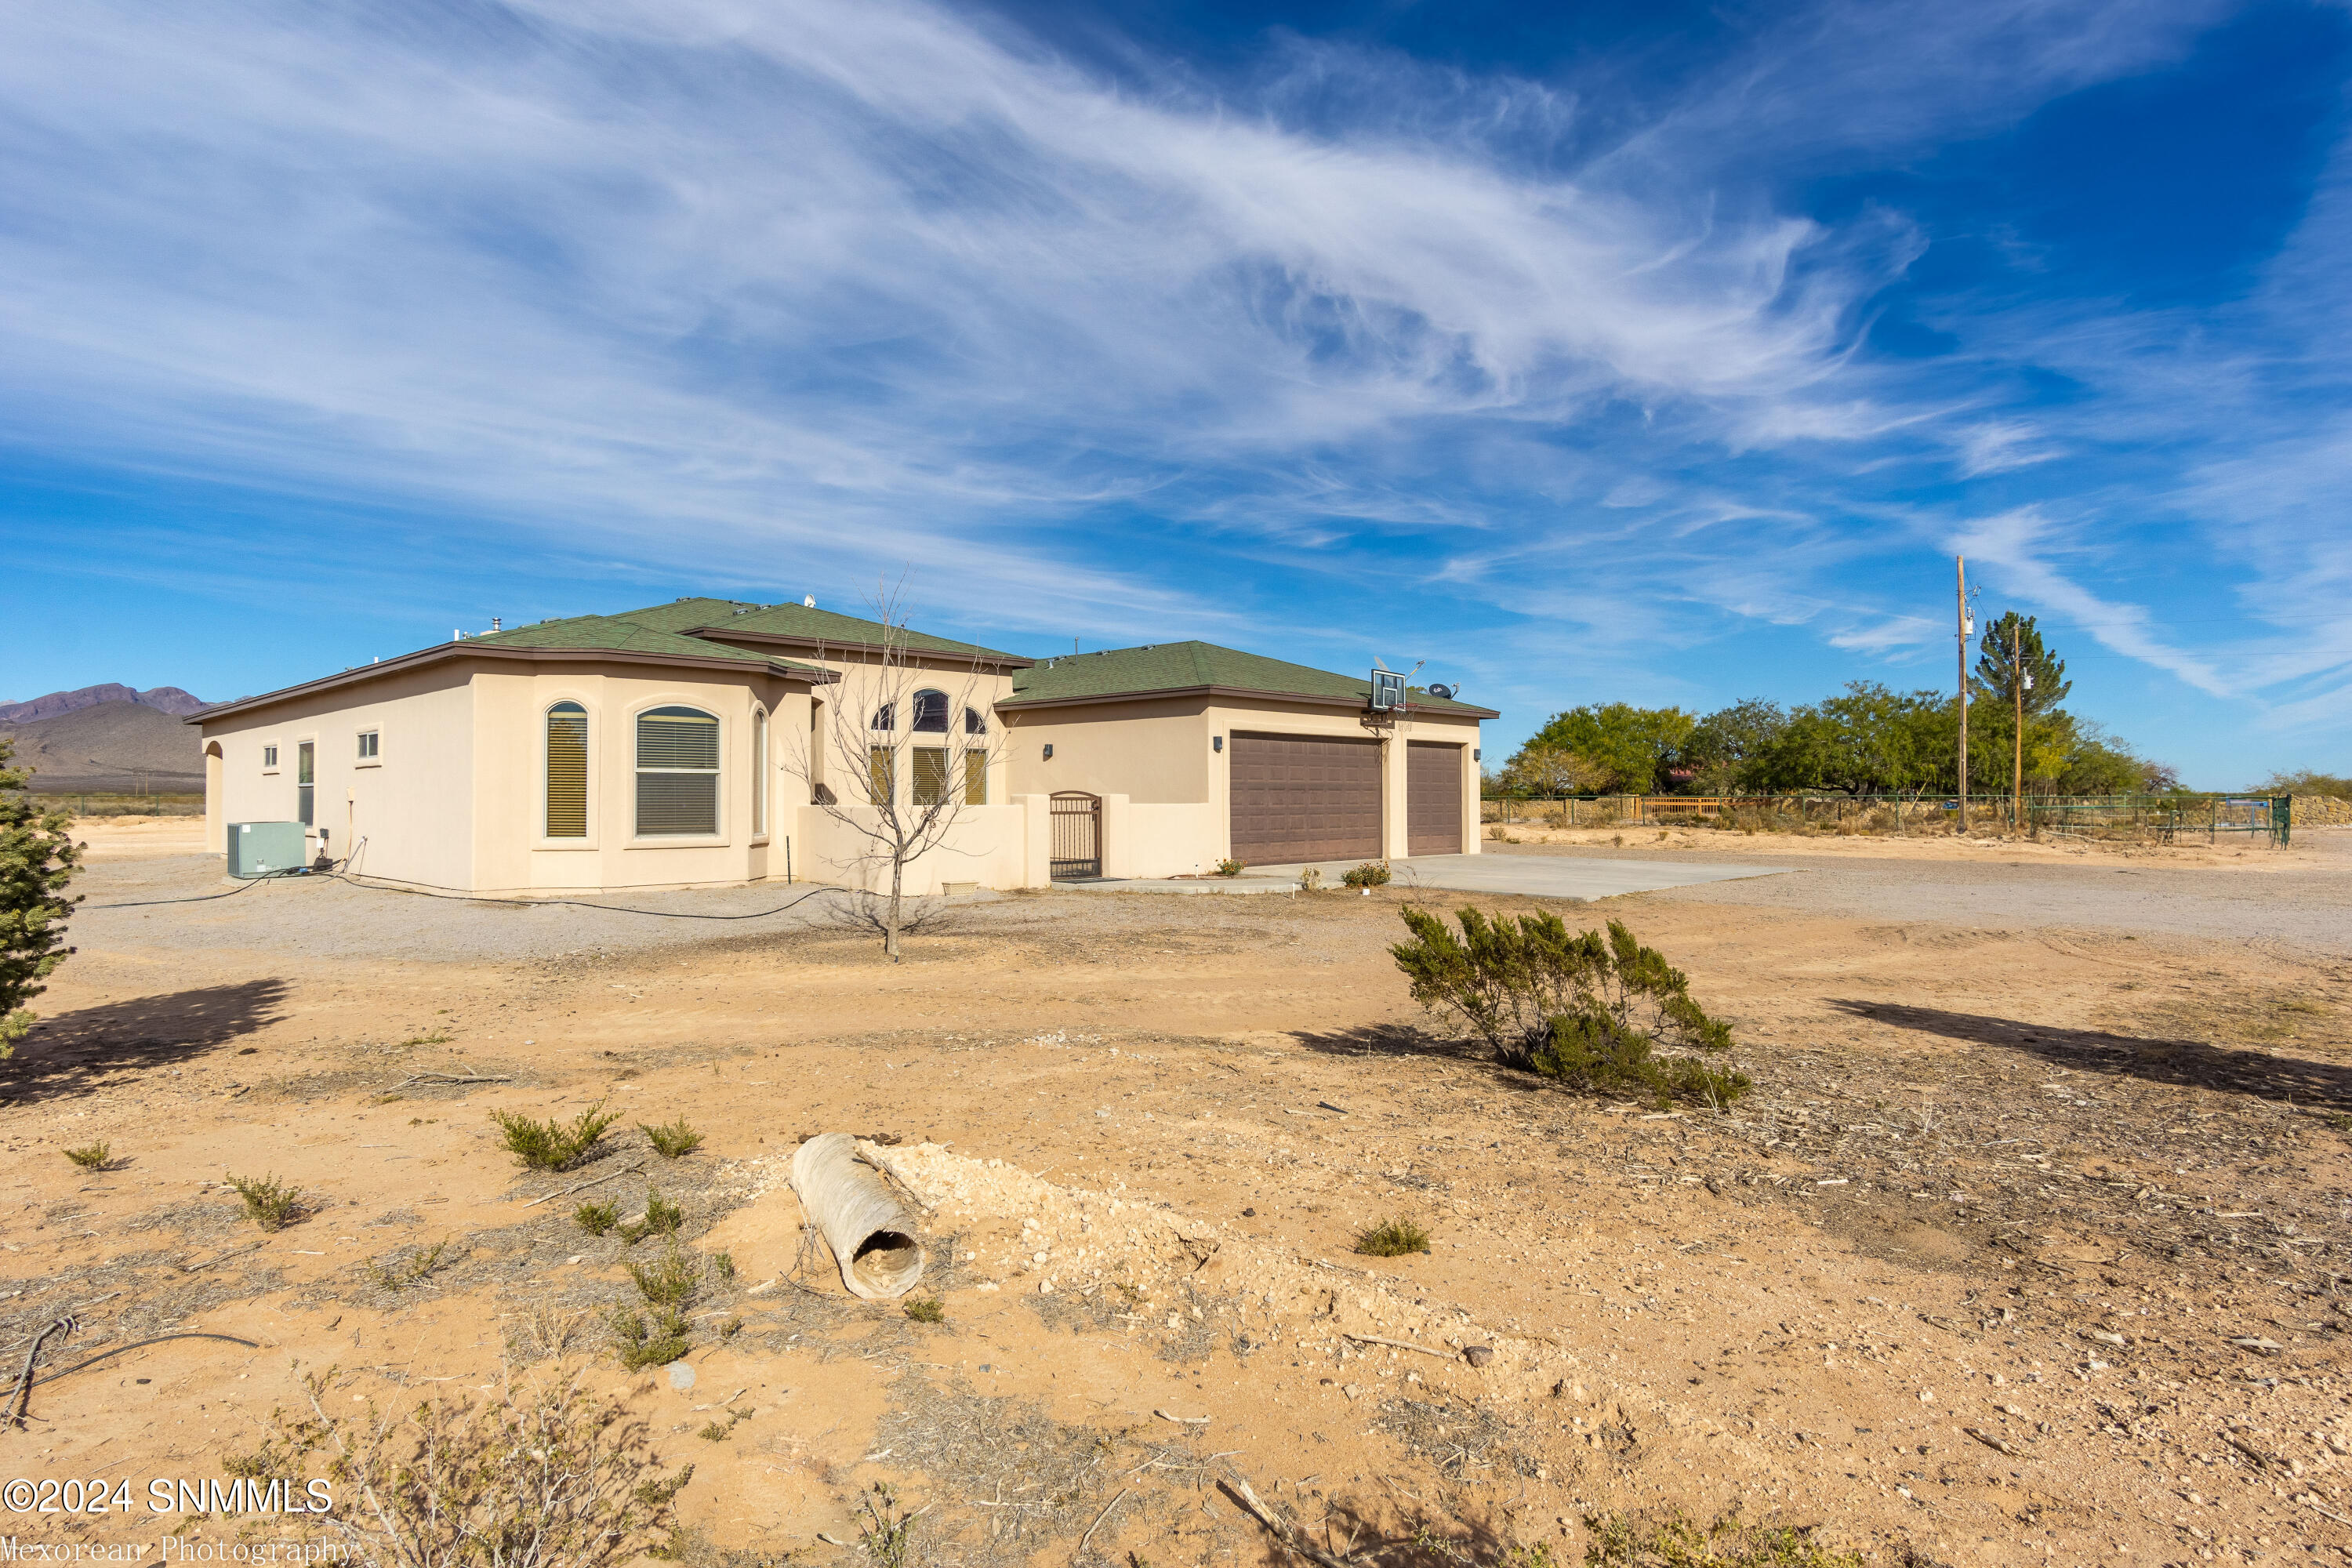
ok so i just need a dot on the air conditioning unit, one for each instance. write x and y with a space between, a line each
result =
265 848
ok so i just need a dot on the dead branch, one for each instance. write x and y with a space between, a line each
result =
584 1186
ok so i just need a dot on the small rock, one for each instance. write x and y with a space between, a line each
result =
1249 1214
681 1376
1478 1355
1045 1286
2104 1337
1351 1390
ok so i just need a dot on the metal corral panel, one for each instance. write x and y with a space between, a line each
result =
265 848
1298 797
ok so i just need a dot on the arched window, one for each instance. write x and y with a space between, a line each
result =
974 723
567 771
677 773
885 717
759 771
930 713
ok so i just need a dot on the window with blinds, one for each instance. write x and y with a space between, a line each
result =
880 786
975 778
677 773
567 771
930 775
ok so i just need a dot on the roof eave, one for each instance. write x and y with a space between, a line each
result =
1318 699
439 651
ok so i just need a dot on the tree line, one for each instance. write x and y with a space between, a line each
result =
1870 738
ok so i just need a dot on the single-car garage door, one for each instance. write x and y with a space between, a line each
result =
1433 798
1299 799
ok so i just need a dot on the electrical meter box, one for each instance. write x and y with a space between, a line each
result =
265 848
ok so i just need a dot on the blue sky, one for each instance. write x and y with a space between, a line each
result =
1586 353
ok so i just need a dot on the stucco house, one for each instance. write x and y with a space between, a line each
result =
692 743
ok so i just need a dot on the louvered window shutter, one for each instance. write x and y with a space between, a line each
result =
677 773
567 771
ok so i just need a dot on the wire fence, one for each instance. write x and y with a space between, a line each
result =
2162 818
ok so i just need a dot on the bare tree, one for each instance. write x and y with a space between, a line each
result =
898 756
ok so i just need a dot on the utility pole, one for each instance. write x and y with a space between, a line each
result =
1960 568
2017 685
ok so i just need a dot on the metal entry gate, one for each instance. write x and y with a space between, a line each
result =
1077 836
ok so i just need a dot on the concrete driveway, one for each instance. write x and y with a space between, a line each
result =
1535 876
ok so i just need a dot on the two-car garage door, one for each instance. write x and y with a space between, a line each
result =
1296 797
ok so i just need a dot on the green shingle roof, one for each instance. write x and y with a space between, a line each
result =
800 622
623 634
1191 666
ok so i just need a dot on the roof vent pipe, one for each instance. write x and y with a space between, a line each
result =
495 623
808 601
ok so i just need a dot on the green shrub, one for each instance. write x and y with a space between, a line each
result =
1677 1541
1370 874
38 858
655 1343
926 1310
597 1218
662 1218
672 1280
92 1157
673 1140
1588 1009
1230 867
273 1205
1392 1238
551 1145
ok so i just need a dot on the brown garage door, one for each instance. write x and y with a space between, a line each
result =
1300 799
1433 798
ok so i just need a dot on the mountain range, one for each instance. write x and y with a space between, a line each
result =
107 739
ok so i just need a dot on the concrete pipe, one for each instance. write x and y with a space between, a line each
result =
871 1233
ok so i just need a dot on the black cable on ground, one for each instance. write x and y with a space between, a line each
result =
434 890
159 1339
208 898
431 891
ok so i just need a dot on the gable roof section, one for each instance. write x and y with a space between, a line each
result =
1162 668
576 637
802 626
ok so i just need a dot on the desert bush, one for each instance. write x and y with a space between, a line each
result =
661 1217
91 1156
396 1274
1370 874
1392 1238
1311 881
655 1343
1677 1541
672 1141
884 1529
551 1145
544 1476
1588 1009
596 1218
671 1281
926 1310
272 1205
1230 867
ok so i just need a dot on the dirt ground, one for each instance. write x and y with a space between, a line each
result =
2022 1250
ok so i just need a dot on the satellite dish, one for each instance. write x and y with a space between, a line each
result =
1443 692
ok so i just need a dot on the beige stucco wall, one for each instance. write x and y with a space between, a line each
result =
455 798
511 850
413 802
1160 755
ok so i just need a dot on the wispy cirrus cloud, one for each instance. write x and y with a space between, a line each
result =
770 291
